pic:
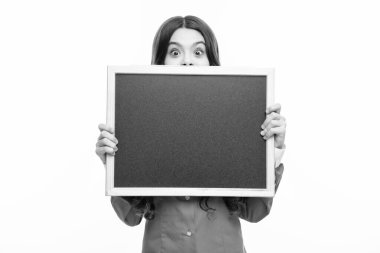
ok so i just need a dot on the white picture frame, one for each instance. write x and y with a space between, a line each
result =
111 190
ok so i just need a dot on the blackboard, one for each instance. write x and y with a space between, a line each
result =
189 131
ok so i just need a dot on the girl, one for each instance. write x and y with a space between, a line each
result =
193 224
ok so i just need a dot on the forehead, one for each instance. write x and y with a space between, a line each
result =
185 36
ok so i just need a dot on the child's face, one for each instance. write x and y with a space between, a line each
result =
186 47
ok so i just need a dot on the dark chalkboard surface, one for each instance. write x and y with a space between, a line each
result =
189 131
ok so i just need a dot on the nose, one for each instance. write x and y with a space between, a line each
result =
187 61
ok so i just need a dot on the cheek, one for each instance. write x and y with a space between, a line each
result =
206 62
172 61
202 62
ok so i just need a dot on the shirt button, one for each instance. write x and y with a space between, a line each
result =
188 233
187 197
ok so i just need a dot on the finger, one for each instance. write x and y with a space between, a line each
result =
108 135
270 117
273 123
106 143
106 128
274 108
101 151
273 131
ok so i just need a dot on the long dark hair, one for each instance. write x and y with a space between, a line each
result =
166 30
145 205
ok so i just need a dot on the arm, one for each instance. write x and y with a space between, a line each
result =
123 206
255 209
125 210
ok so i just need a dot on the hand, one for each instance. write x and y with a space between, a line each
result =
274 125
106 143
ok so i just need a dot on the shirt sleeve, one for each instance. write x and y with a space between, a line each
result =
257 208
125 211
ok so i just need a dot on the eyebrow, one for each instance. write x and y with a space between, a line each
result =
178 44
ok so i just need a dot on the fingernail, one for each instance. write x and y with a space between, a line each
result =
262 132
262 126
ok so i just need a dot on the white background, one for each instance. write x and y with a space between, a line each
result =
53 58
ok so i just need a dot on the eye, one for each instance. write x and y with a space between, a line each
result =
174 52
199 52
